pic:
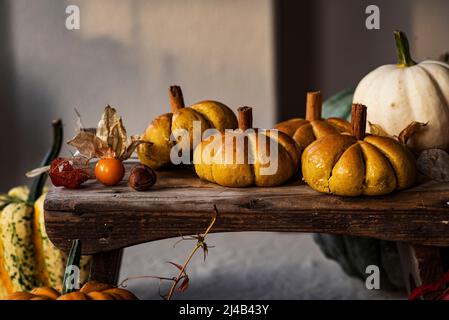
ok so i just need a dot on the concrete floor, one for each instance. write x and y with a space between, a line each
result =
247 266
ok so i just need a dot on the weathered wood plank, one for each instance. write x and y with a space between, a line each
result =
106 266
110 218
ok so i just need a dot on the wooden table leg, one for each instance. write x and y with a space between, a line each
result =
420 264
106 266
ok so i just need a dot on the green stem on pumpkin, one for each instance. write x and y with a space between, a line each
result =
403 50
39 182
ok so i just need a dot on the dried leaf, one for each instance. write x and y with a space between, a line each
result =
89 145
377 130
111 131
119 139
205 250
410 131
184 284
434 164
107 121
79 122
179 267
109 139
135 142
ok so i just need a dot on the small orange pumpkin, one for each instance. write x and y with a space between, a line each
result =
92 290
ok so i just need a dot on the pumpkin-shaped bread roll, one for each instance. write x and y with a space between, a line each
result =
305 131
209 114
358 164
244 158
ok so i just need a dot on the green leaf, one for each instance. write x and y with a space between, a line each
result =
339 105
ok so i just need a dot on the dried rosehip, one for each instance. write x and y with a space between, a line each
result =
142 178
64 174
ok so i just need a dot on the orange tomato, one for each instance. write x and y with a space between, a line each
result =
109 171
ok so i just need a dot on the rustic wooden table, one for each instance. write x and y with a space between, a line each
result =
108 219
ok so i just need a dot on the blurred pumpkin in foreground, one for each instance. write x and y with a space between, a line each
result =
263 158
92 290
305 131
352 165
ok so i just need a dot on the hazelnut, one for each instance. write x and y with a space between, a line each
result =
142 178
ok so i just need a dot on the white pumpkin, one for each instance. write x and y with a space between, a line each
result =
398 94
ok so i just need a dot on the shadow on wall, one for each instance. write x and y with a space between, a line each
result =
21 106
324 45
8 127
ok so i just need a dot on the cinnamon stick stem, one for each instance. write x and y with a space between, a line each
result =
176 98
314 106
245 118
358 121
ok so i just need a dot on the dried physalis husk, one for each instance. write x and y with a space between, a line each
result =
404 136
377 130
89 145
108 140
410 131
111 131
434 164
